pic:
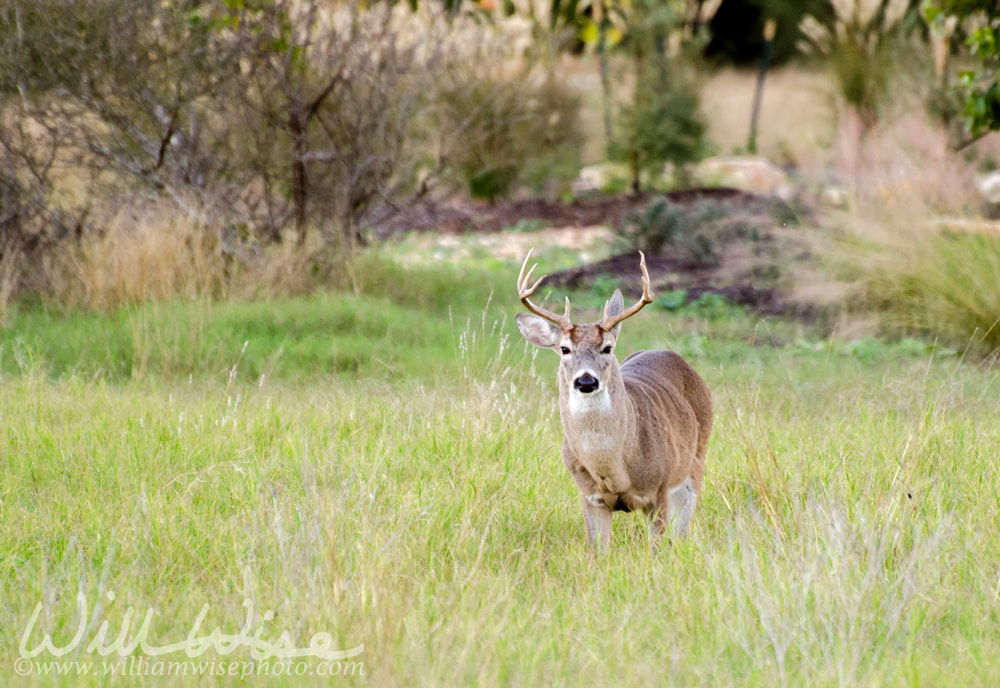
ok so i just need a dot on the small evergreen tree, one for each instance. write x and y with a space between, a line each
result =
661 123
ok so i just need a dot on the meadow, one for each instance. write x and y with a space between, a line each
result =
380 470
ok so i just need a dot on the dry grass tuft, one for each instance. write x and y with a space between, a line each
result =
10 272
158 253
140 255
903 168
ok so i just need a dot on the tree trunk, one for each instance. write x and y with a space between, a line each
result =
602 62
300 180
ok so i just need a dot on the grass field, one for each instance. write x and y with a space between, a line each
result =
384 468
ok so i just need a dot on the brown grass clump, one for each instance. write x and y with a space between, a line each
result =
286 269
904 168
157 253
9 276
140 255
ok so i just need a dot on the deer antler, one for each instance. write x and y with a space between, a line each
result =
610 321
524 292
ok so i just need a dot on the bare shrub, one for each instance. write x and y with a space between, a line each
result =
242 121
289 270
263 116
128 94
33 216
353 111
326 99
498 107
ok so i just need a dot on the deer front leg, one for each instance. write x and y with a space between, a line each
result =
596 510
597 517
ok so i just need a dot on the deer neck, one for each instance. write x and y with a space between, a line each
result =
599 425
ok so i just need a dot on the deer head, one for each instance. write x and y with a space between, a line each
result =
587 351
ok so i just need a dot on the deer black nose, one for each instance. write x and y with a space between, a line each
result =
586 383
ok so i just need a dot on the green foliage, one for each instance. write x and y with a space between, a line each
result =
490 182
982 101
661 122
672 300
709 305
714 307
659 224
603 287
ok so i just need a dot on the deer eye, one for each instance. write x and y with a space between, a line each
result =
606 350
564 349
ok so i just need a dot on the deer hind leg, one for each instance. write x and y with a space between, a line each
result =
681 501
675 508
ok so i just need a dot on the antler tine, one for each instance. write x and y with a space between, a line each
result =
523 280
647 297
524 292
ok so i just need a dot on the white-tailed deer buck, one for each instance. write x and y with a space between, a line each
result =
634 435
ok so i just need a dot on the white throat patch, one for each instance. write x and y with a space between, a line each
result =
596 402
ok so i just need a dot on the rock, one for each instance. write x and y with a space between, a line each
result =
834 196
599 176
988 186
751 174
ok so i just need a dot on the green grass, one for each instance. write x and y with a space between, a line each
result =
847 534
945 286
400 324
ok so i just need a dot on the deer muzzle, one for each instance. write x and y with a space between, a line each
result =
586 383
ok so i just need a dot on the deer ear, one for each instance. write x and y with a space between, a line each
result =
614 306
538 331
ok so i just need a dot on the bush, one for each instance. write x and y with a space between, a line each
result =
657 225
253 119
701 232
499 126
